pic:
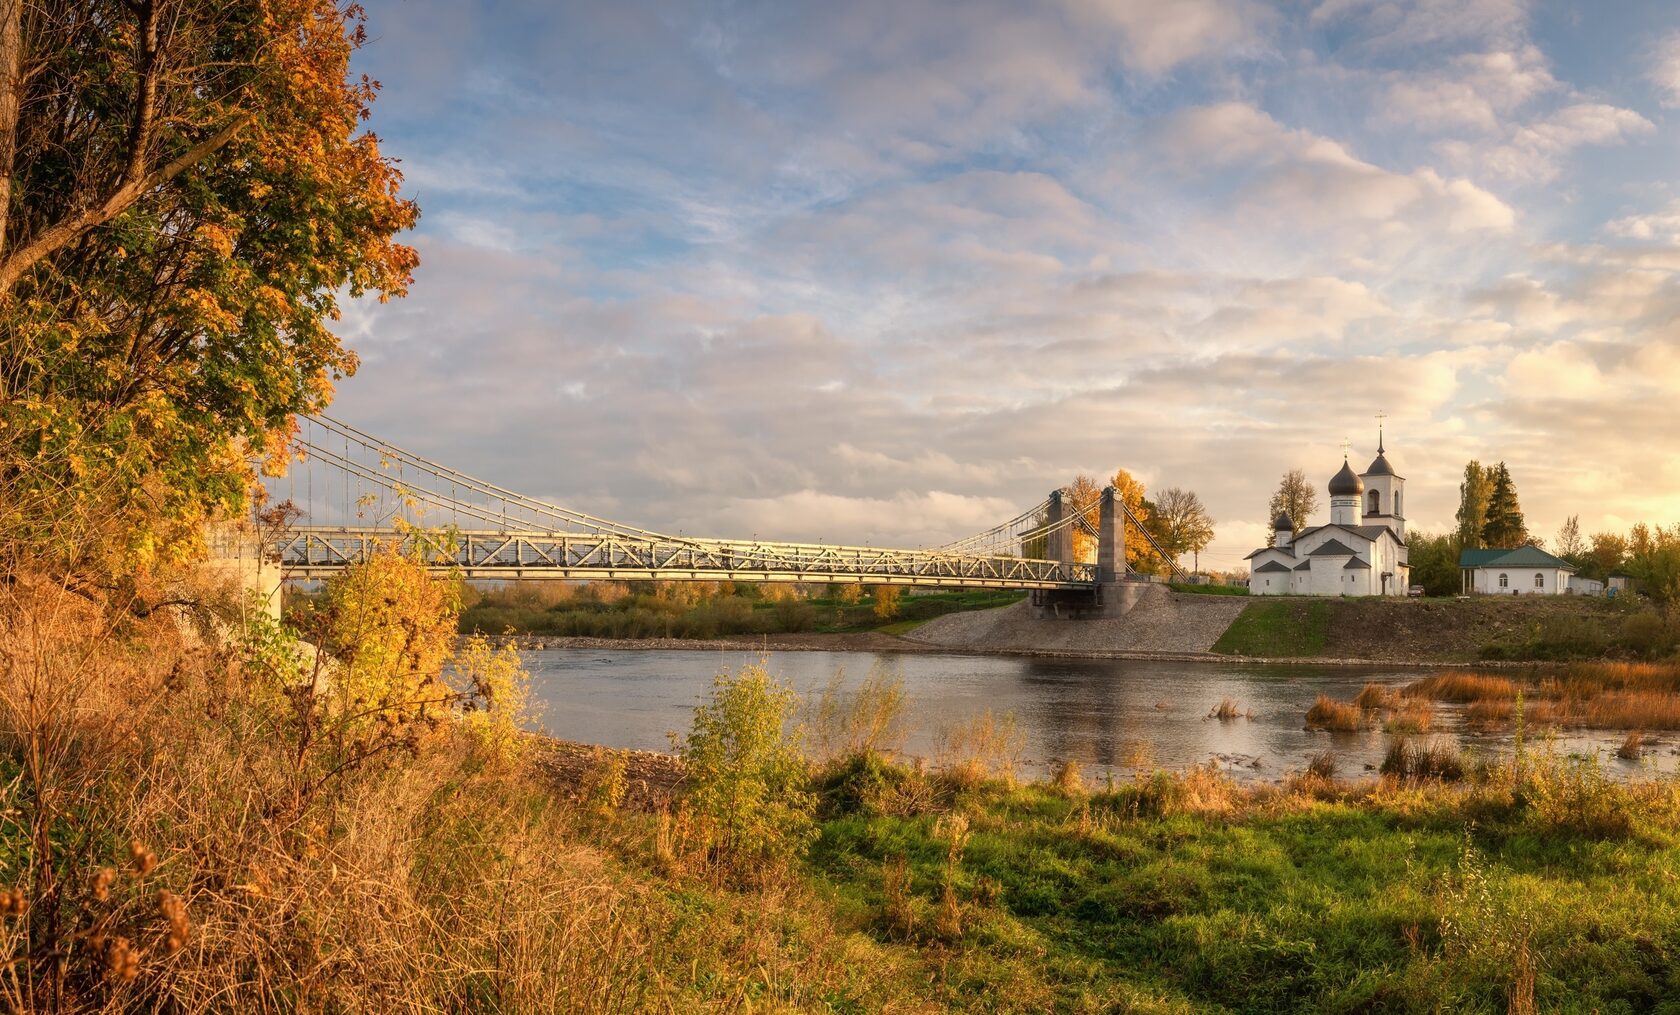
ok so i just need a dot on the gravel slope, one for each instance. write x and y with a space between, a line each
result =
1162 621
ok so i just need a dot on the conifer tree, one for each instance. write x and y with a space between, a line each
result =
1504 525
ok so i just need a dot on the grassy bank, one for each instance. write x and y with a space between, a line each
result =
202 822
710 610
1527 628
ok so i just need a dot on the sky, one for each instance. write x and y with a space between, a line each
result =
887 272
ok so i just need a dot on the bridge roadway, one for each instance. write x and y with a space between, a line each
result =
320 551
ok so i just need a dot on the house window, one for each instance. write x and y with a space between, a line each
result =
1539 579
1504 581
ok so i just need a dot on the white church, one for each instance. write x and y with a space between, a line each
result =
1362 552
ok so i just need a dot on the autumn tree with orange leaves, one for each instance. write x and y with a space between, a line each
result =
187 190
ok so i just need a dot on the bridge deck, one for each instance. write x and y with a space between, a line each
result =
320 551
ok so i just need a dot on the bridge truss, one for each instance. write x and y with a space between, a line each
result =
459 522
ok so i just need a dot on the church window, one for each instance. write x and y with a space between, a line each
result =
1504 581
1376 504
1397 510
1539 579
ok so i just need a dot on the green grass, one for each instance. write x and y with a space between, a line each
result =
1413 902
1277 628
1209 590
745 611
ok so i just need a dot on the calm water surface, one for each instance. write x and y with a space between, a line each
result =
1106 714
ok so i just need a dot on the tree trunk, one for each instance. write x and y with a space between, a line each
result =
11 85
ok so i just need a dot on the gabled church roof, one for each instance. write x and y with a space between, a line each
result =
1303 565
1356 565
1333 548
1287 551
1369 533
1271 567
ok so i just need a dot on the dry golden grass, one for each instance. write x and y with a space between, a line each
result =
1633 748
428 879
1336 716
1593 695
1409 716
983 746
1462 687
1374 696
1227 711
1617 710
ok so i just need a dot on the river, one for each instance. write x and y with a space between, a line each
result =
1108 715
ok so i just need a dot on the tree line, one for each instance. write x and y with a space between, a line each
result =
1490 516
1175 517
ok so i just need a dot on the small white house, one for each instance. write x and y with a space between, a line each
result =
1525 571
1579 586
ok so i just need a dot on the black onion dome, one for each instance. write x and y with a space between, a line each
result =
1345 483
1283 523
1379 467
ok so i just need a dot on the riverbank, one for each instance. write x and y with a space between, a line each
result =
1539 887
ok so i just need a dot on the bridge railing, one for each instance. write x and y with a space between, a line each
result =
318 551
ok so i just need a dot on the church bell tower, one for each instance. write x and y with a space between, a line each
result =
1383 499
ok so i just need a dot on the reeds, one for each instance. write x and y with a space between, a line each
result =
1228 711
1633 748
980 747
1337 716
1462 687
1374 696
1431 759
1410 716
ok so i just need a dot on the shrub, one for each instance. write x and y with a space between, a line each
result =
495 693
867 720
746 775
1645 634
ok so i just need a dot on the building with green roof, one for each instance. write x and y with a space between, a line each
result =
1523 571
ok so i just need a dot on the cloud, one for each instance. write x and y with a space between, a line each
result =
1475 92
1157 37
1533 151
1304 179
1662 69
886 273
1383 25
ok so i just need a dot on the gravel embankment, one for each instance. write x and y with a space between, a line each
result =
1162 623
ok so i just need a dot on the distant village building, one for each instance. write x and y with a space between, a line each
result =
1362 552
1619 582
1580 586
1525 571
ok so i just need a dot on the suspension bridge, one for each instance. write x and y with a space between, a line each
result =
392 497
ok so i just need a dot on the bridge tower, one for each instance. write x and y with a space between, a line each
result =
1111 539
1060 540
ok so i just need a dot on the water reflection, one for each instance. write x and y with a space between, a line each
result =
1109 715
